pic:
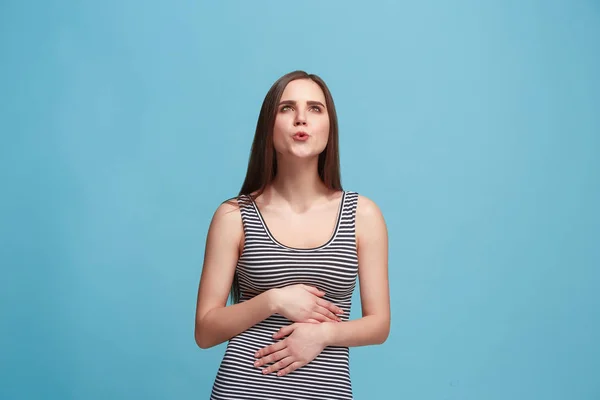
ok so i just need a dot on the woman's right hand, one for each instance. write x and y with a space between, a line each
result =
303 303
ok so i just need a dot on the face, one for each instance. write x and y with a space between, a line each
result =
302 122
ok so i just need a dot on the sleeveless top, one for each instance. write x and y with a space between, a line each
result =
266 263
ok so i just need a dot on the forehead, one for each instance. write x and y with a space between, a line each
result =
303 90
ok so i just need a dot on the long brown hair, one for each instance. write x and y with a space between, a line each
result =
262 165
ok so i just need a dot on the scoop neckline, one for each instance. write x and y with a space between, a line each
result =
277 242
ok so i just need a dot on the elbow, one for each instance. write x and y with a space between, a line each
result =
201 340
383 337
384 332
201 343
206 334
203 346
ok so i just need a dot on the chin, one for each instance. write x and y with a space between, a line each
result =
302 155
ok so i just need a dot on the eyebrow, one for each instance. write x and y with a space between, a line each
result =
310 103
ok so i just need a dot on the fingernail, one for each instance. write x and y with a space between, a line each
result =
256 364
256 354
264 371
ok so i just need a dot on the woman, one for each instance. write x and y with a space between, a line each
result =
289 249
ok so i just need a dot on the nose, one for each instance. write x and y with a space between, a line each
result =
300 119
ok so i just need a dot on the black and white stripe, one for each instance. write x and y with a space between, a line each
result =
265 264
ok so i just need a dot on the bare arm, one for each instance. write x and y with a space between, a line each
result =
216 323
372 242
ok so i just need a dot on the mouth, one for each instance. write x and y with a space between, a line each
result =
301 135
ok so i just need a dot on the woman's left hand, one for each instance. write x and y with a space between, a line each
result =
305 342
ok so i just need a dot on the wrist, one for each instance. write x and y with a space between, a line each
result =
329 332
272 303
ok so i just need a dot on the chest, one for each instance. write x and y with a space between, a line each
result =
304 231
284 248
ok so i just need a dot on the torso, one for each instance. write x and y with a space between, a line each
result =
316 248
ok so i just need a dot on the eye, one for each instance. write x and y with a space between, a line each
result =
284 108
317 108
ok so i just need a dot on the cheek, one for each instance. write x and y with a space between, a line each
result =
324 132
278 133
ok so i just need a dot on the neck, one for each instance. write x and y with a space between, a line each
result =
298 182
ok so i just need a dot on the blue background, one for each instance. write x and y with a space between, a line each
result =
473 125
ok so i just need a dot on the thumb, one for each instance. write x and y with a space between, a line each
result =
314 290
284 331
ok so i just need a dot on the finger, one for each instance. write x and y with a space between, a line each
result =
312 321
270 349
279 365
314 290
278 355
284 331
292 367
331 307
319 317
327 313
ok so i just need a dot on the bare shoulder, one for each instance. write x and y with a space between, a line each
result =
228 210
367 208
370 222
227 221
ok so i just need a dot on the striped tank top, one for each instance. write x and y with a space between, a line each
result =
264 264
